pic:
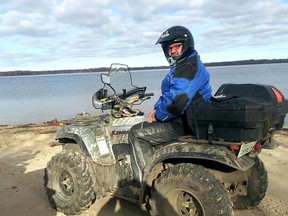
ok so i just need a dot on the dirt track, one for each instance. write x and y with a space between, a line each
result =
24 152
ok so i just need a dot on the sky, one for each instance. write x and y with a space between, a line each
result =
78 34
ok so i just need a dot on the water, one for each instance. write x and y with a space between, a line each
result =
37 99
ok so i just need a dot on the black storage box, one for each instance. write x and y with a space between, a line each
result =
239 112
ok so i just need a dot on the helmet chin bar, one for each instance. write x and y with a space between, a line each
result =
173 59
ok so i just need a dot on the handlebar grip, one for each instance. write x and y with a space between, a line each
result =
148 94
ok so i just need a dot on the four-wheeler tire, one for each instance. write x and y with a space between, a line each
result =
256 187
68 183
189 189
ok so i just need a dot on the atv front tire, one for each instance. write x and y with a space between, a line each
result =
256 187
68 183
189 189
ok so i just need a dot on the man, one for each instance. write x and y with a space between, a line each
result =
187 81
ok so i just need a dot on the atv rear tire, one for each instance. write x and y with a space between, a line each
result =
68 183
189 189
256 187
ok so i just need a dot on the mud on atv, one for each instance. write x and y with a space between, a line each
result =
210 173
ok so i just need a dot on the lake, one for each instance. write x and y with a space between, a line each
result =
42 98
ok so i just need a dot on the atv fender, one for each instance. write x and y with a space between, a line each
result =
76 138
184 151
199 151
93 141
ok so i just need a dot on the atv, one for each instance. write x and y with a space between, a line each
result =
211 172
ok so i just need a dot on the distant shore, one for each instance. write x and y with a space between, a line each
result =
104 69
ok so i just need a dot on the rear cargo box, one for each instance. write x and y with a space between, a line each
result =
239 112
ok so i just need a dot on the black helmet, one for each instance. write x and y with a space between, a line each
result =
176 34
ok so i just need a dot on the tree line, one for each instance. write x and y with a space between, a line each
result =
105 69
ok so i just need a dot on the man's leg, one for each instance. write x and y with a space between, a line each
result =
144 136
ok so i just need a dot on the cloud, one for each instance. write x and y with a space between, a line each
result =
61 34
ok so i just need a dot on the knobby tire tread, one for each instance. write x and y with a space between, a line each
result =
199 181
257 187
75 164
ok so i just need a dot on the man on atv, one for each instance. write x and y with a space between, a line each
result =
186 82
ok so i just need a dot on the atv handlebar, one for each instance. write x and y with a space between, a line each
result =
145 95
101 100
148 94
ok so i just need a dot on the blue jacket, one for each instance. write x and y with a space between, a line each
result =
186 81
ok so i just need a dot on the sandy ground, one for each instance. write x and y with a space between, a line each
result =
25 151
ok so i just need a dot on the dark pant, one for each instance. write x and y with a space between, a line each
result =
144 136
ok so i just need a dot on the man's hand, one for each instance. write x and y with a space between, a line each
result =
151 117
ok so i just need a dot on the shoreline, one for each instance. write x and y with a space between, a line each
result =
61 123
54 122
